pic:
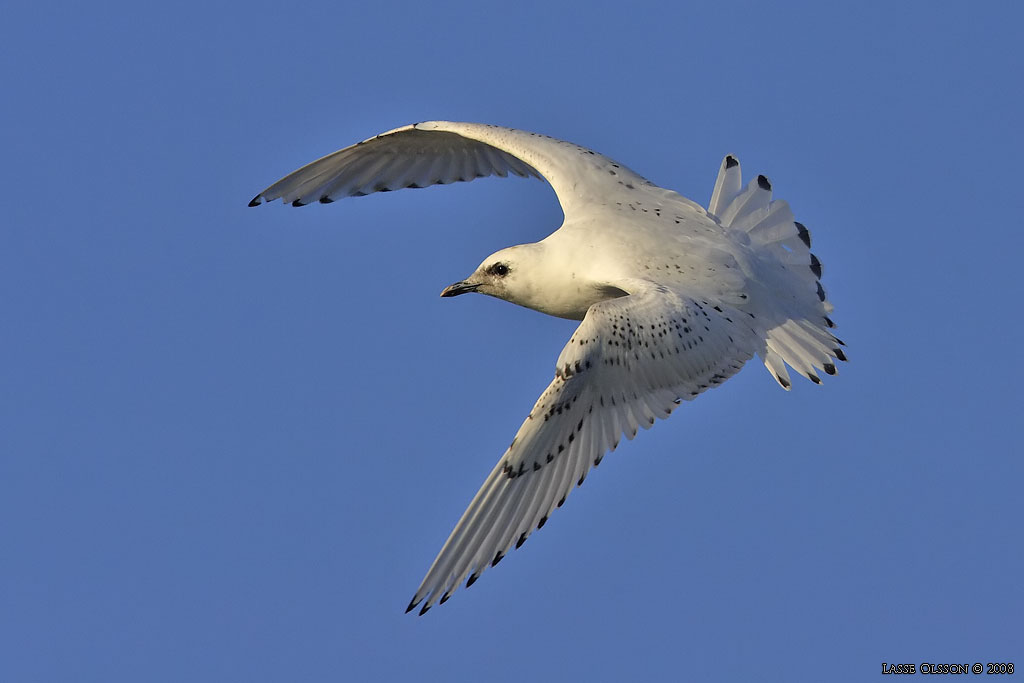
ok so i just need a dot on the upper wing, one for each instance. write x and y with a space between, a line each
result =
630 361
439 152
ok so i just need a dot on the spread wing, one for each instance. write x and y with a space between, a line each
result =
440 152
631 360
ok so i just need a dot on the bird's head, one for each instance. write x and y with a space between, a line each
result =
510 274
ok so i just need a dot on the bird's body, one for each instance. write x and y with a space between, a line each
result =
673 298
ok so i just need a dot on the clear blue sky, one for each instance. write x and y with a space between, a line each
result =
233 439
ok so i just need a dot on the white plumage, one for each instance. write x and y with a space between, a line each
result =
674 300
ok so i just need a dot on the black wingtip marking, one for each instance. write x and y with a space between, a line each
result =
561 502
821 292
444 598
326 200
497 558
730 161
815 266
839 354
763 183
256 201
412 605
542 522
829 368
472 580
521 541
814 378
828 322
783 381
424 610
805 234
298 203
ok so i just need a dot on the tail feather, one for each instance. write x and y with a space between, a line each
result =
798 348
777 367
777 227
727 186
796 333
748 207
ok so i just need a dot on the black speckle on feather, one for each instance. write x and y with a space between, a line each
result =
805 235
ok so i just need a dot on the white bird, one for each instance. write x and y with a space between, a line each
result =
674 300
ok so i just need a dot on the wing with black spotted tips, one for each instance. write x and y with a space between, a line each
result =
631 360
441 152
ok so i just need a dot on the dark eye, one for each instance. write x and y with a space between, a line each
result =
499 269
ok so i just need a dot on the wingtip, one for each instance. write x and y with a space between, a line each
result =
256 201
412 605
425 608
731 161
762 182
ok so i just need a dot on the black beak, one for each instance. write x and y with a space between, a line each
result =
460 288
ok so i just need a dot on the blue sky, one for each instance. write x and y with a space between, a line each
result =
233 439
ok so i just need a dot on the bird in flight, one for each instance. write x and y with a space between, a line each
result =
673 298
